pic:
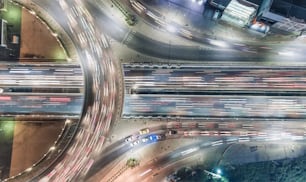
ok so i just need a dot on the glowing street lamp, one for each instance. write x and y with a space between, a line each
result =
171 28
219 171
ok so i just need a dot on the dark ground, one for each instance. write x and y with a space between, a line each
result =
6 142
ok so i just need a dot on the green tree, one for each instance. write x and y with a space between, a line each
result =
132 162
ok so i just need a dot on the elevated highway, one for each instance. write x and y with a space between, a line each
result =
211 91
200 79
102 90
41 90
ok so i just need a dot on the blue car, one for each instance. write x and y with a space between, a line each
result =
154 137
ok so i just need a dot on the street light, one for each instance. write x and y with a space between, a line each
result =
171 28
214 175
219 171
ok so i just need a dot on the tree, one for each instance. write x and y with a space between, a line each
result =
132 162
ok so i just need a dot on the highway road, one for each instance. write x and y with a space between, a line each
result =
214 133
101 92
102 89
41 104
201 80
25 77
164 164
41 89
235 106
266 49
169 51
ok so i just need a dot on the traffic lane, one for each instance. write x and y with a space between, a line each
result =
154 80
139 135
215 106
145 45
38 69
159 161
90 94
149 46
35 103
171 90
37 76
113 29
152 168
131 142
240 136
159 20
42 82
55 10
114 155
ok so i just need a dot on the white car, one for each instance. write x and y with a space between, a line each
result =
144 140
135 143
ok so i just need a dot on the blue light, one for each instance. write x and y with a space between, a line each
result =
153 138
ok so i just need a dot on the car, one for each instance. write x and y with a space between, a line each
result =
129 138
144 131
135 143
172 132
144 140
204 133
154 137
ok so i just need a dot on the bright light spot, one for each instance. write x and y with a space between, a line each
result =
135 86
219 171
200 2
29 169
68 121
52 148
272 138
297 138
219 43
286 53
171 28
144 173
54 34
32 12
133 90
188 151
